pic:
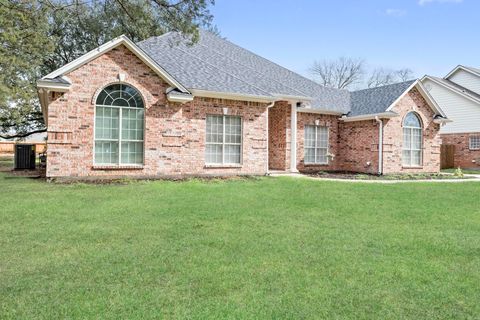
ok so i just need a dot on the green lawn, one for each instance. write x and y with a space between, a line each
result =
270 248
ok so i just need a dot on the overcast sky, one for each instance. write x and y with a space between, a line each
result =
427 36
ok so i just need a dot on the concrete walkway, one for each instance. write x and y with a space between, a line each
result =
471 178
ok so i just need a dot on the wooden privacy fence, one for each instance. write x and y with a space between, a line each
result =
447 156
8 147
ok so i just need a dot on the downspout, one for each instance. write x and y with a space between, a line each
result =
268 138
380 145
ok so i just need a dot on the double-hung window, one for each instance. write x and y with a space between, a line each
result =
412 140
316 145
223 140
119 119
474 143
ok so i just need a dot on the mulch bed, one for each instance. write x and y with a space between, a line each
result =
363 176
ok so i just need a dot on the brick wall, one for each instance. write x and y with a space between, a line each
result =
463 156
277 128
329 121
393 136
358 146
174 134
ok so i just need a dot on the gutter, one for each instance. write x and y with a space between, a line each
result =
383 115
380 145
268 136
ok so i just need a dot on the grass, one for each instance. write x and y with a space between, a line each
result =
271 248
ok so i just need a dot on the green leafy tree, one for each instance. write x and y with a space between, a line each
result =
63 31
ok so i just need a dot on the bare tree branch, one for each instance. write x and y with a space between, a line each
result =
340 73
22 135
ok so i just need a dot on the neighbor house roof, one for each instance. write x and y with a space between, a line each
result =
376 100
217 65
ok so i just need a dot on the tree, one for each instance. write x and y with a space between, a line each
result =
345 73
341 73
60 31
23 46
382 77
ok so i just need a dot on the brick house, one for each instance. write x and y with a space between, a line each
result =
163 108
458 94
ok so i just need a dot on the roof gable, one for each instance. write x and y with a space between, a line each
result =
122 40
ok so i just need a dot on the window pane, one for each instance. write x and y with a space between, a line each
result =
214 129
309 136
475 142
417 139
322 137
321 155
106 152
412 120
316 144
407 138
106 123
406 157
132 152
416 158
213 153
232 153
233 130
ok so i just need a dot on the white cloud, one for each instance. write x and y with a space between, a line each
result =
424 2
395 12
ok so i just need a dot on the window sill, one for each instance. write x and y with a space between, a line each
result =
119 167
412 167
309 164
222 166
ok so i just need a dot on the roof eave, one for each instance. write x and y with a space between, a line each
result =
381 115
232 96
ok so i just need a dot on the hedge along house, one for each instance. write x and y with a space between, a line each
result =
165 108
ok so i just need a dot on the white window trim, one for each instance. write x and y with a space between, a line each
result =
470 142
316 145
223 144
119 140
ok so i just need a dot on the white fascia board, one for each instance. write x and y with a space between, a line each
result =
231 96
383 115
460 67
291 97
451 88
402 95
53 86
176 97
444 120
430 100
113 44
319 111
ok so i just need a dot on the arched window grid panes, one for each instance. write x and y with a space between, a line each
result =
119 126
412 140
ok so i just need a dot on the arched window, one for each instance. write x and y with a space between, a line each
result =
412 140
119 118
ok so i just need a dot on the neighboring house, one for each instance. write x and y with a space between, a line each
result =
458 94
164 108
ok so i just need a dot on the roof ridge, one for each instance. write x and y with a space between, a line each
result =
290 71
386 85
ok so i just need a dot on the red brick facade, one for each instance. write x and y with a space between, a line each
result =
175 134
464 157
358 146
393 136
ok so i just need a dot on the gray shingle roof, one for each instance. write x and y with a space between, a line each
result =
216 64
376 100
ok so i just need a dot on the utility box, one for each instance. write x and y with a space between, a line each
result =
24 156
